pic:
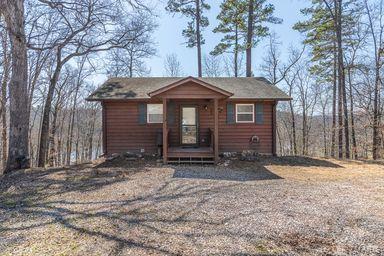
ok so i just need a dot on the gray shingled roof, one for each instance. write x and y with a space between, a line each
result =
139 87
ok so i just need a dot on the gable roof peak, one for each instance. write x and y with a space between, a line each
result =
190 79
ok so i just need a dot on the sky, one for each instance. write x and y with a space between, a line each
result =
169 39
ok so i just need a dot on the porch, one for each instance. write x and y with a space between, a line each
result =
198 115
190 136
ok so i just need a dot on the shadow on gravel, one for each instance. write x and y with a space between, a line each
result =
163 216
298 161
212 173
47 198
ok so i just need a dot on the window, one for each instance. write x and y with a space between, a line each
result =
155 113
245 113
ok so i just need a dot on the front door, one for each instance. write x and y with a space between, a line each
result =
189 126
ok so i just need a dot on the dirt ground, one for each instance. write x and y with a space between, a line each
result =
274 206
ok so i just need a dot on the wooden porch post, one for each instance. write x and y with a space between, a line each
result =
216 130
165 132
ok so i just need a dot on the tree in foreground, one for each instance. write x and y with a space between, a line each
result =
193 10
80 29
18 154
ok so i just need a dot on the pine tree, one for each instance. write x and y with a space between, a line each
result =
232 19
193 10
320 36
327 30
259 13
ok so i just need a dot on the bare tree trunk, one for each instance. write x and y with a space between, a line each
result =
304 130
59 147
354 144
91 133
77 151
288 127
333 143
60 152
342 75
325 131
249 39
130 67
378 50
18 155
3 99
44 133
98 145
71 125
41 59
32 152
73 111
70 133
280 141
340 79
236 51
52 144
293 128
198 38
376 117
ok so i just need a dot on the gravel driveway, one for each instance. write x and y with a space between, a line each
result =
275 206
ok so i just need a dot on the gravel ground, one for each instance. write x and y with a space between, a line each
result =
275 206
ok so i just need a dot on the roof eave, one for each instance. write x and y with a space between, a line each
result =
146 99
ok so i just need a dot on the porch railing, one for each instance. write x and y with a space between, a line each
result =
159 139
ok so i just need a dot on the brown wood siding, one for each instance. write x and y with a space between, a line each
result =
236 137
124 133
190 90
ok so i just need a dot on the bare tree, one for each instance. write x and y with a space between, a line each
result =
212 66
290 80
308 95
229 67
274 69
84 35
324 99
376 27
130 60
80 75
172 66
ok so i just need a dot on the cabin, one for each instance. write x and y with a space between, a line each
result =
188 120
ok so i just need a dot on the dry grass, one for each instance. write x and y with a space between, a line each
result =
270 207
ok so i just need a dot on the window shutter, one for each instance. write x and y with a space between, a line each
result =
142 113
259 113
171 112
230 113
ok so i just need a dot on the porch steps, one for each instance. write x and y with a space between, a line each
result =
191 160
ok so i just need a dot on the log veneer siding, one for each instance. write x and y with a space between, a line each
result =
123 132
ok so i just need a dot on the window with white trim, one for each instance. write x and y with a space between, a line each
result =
154 113
245 113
